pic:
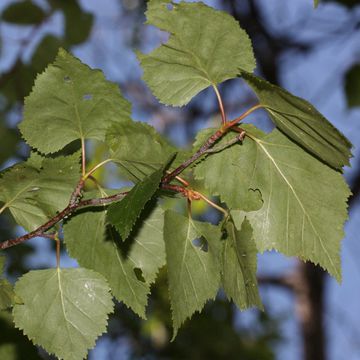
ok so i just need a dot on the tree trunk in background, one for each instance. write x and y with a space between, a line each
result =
309 297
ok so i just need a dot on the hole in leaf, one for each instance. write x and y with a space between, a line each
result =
67 78
87 97
139 274
201 243
170 6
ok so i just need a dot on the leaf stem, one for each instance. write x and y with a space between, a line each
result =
211 203
57 251
221 105
83 157
243 116
90 172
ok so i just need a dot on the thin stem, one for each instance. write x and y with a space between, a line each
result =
243 116
83 157
57 251
212 204
221 105
85 176
3 208
236 139
208 144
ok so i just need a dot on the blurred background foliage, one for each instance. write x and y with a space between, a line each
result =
31 33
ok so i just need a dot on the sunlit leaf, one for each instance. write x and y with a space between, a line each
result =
70 101
35 190
205 48
305 203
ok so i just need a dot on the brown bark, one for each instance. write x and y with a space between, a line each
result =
309 301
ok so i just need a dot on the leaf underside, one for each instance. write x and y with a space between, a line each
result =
205 47
301 122
239 266
305 203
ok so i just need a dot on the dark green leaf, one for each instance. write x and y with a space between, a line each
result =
239 266
302 123
205 48
23 13
194 272
352 86
45 52
124 214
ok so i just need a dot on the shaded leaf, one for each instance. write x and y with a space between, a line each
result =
239 266
70 101
304 203
124 214
194 274
137 148
13 344
7 295
8 142
45 52
352 86
23 13
301 122
64 310
35 190
235 165
87 241
205 48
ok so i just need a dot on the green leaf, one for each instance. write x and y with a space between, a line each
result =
205 48
137 148
14 345
78 24
304 203
194 273
316 3
7 295
235 166
35 190
87 242
301 122
23 13
70 101
124 214
64 310
352 86
239 266
8 142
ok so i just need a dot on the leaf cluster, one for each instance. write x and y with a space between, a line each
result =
283 190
